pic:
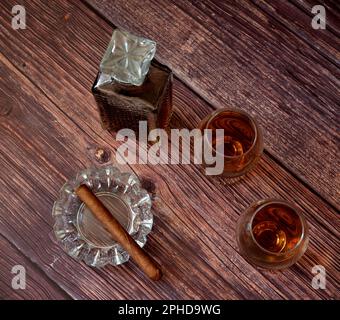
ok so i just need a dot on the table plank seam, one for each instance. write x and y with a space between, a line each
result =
67 116
330 59
38 268
304 9
70 118
298 178
291 172
87 134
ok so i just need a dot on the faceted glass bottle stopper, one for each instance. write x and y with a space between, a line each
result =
128 57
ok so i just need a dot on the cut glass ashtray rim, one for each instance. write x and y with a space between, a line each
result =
105 180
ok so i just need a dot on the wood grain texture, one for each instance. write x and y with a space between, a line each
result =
51 132
332 8
39 188
298 21
38 285
233 53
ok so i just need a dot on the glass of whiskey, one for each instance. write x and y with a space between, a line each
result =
272 234
242 140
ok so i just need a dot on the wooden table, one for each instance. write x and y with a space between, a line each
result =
261 56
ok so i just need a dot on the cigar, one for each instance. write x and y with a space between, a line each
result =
118 233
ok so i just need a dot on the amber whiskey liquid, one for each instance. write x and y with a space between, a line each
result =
239 132
272 234
242 140
277 228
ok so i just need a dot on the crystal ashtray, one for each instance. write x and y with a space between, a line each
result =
81 235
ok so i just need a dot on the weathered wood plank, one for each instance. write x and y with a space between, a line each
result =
332 8
234 54
299 22
40 146
47 137
38 286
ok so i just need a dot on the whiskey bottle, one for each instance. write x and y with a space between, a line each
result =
131 86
